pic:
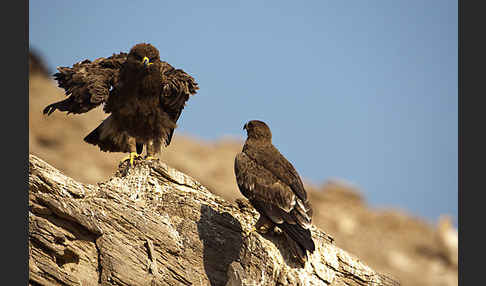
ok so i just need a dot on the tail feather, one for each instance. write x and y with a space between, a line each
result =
107 139
93 136
169 137
300 240
296 249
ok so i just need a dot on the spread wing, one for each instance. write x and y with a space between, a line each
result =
177 86
87 84
269 194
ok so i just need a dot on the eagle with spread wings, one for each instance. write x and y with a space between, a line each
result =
273 187
144 96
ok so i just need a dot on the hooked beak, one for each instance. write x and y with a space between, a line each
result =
146 62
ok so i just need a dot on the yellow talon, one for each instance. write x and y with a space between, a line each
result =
247 233
131 157
150 158
263 229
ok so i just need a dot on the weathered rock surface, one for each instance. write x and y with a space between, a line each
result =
153 225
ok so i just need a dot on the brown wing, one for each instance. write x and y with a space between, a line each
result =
87 84
270 195
272 160
177 87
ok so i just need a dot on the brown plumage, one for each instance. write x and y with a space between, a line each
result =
274 188
144 95
37 64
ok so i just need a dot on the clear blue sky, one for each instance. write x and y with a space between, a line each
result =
360 90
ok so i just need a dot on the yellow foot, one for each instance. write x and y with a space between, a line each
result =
150 158
131 157
263 229
247 233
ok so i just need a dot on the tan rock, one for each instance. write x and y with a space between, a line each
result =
153 225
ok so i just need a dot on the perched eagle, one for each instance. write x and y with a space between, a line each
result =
144 96
274 188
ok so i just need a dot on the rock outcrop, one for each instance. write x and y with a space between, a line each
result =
153 225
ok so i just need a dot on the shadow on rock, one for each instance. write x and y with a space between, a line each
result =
221 237
281 242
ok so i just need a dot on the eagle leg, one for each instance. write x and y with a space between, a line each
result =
150 151
133 151
131 157
248 233
263 224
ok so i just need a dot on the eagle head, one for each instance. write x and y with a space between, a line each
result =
257 129
143 55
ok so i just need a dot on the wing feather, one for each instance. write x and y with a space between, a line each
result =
269 194
87 84
177 87
273 161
